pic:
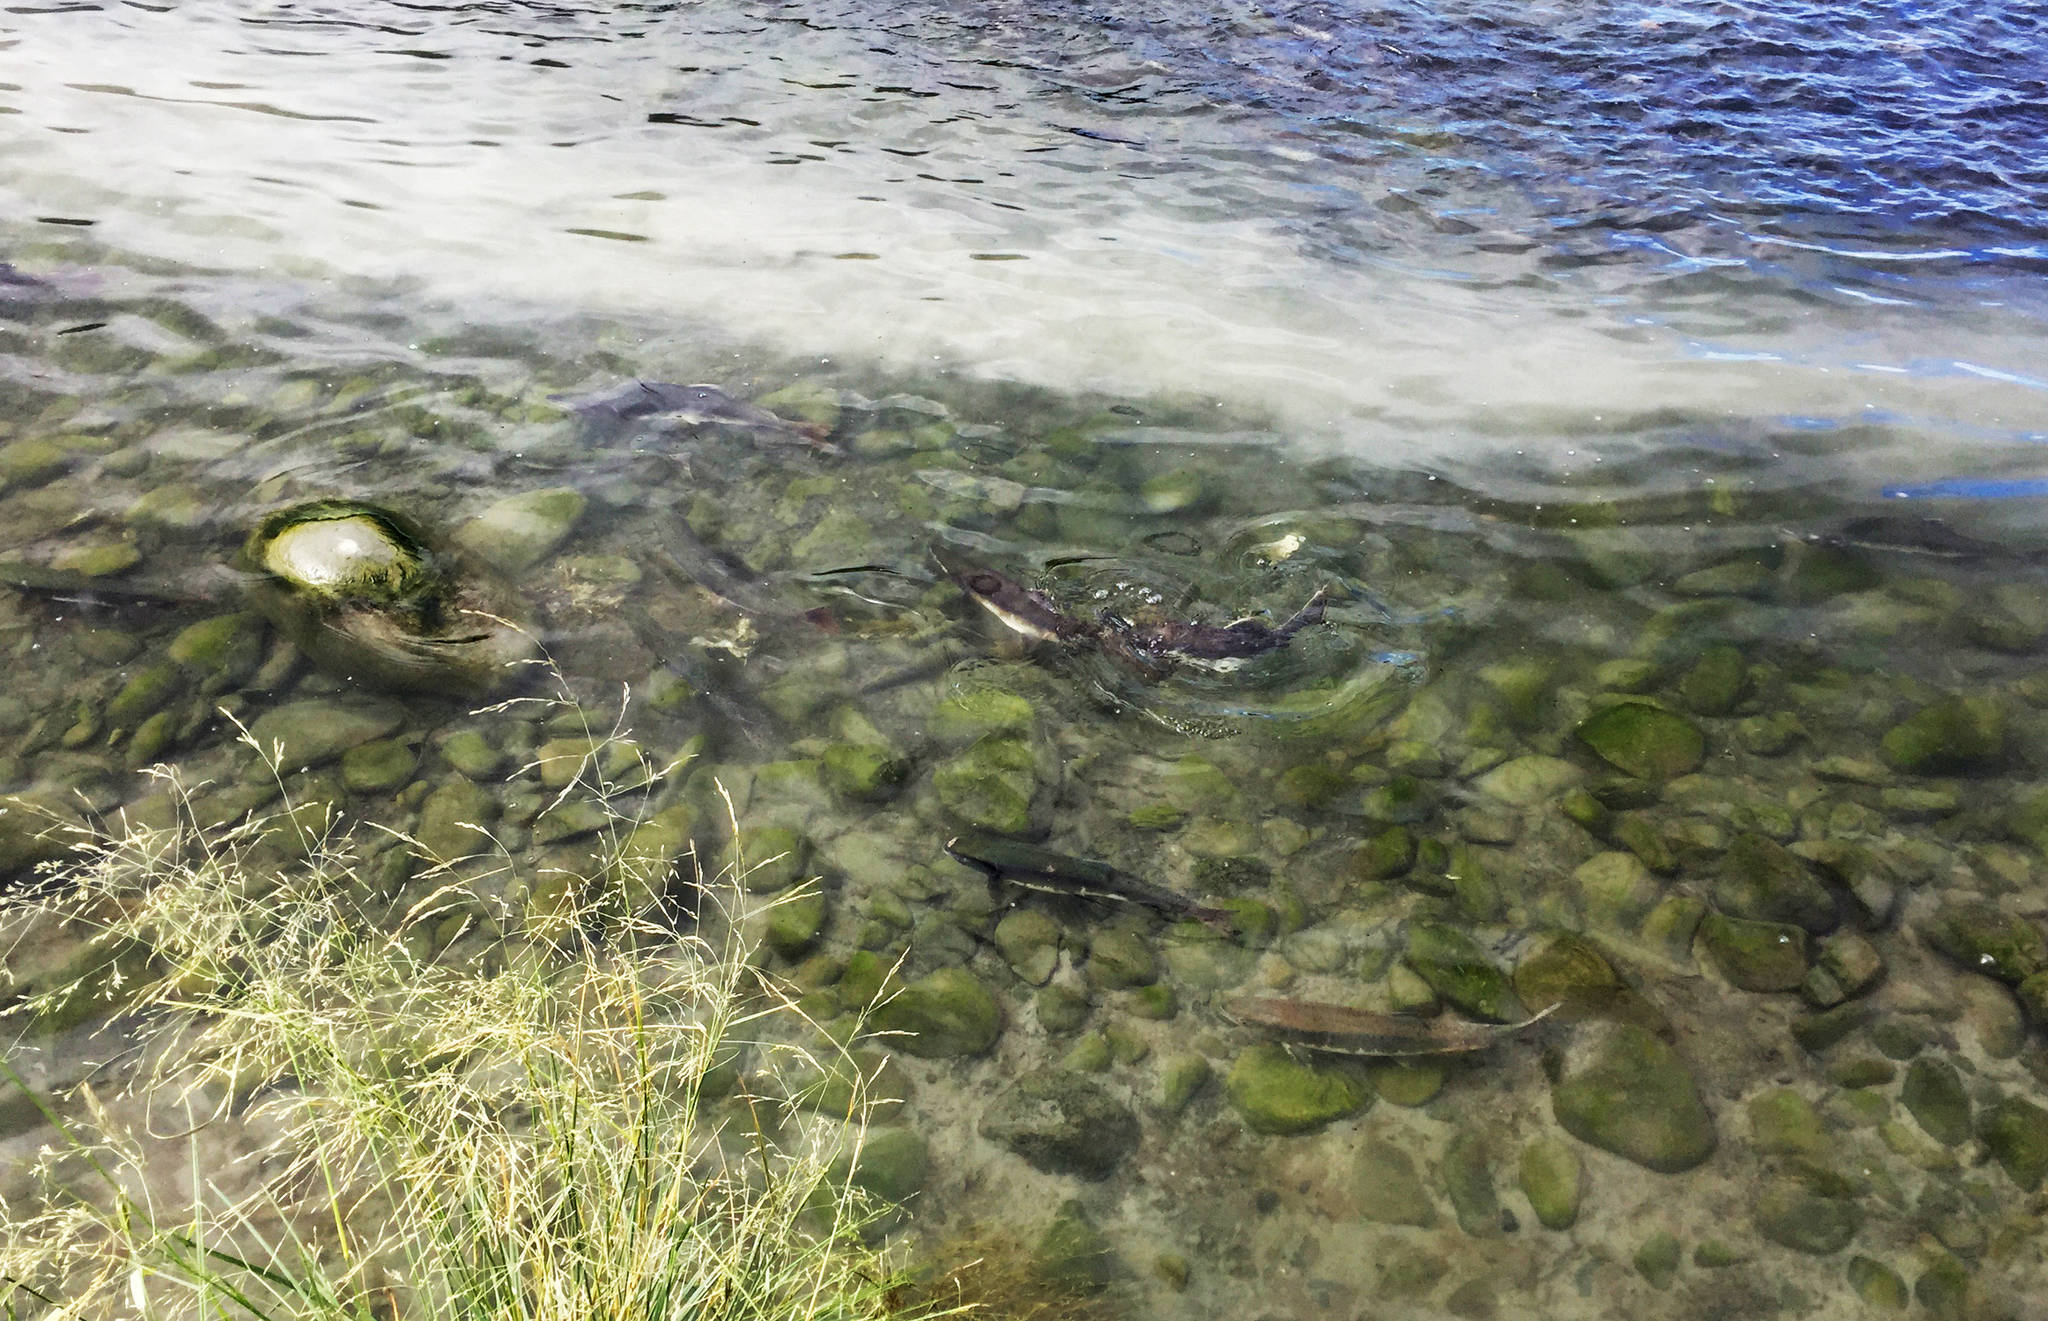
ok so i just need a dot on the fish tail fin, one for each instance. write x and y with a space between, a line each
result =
1310 613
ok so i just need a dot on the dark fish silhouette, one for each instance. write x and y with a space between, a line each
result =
1151 647
1343 1030
680 406
1020 862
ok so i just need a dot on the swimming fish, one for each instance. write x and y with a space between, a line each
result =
1342 1030
1022 863
1150 647
689 406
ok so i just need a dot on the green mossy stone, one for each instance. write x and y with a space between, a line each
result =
1790 1214
1091 1053
1309 787
455 822
893 1163
795 923
1523 689
1182 1078
1458 968
521 530
1633 1096
862 980
1467 1172
964 716
1583 808
1074 1258
1407 1083
469 752
1616 891
1528 781
946 1015
1640 836
2016 1133
1402 800
1764 881
1029 942
1644 741
1062 1122
864 773
1120 958
1770 735
1387 1188
1273 1092
1657 1259
1977 935
27 463
2032 995
1953 734
768 859
1878 1285
230 646
1553 1178
1671 926
103 560
1864 1071
804 401
1784 1123
1388 853
1715 683
990 786
314 732
1933 1094
1755 956
146 693
1062 1009
1156 1002
649 864
153 738
379 767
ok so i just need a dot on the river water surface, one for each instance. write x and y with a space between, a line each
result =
1680 359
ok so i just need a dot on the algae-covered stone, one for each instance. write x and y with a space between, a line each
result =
1933 1093
1063 1123
1755 956
314 732
795 922
1553 1178
769 858
1467 1171
2016 1132
1715 682
1389 1191
1274 1092
225 647
1458 968
945 1015
1074 1258
972 713
469 752
36 828
893 1163
990 785
1784 1123
1789 1213
1526 781
1029 942
521 530
864 772
378 767
647 868
1644 741
1407 1083
1878 1284
455 821
1633 1096
1976 934
1388 853
1657 1259
1616 891
1181 1078
1120 958
146 692
1953 734
1763 880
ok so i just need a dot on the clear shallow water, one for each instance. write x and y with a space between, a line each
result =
1568 347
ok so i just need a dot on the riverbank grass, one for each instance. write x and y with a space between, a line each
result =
323 1118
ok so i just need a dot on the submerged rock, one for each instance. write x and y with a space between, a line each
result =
2016 1132
1274 1092
1457 968
1789 1213
1644 741
1063 1123
1976 934
1953 734
1388 1189
1633 1096
368 596
1553 1178
945 1015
